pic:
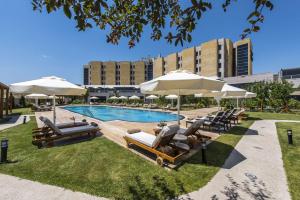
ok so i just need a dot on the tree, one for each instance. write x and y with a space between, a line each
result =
280 95
128 18
262 90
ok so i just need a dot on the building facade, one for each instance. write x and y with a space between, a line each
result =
219 58
117 73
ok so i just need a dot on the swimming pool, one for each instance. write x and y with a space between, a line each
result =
109 113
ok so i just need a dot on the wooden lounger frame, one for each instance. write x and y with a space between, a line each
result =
161 157
49 137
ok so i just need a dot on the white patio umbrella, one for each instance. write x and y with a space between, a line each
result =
113 98
249 95
172 97
228 91
122 97
51 85
36 97
152 97
134 97
180 83
94 98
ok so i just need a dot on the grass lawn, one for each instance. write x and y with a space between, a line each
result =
291 156
101 167
275 116
22 111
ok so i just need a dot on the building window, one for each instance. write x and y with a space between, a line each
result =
219 47
219 56
219 74
219 65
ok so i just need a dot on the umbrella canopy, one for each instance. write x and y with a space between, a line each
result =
250 95
51 85
171 96
152 97
36 96
94 98
113 97
180 82
134 97
52 97
227 91
122 97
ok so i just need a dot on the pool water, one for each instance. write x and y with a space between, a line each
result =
108 113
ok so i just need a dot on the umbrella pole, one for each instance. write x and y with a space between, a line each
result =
36 101
237 102
178 109
54 112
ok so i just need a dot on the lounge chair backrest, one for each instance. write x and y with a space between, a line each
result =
50 124
240 112
231 113
217 116
165 136
194 127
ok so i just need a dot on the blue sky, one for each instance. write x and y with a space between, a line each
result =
34 45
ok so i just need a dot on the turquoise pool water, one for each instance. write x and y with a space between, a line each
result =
108 113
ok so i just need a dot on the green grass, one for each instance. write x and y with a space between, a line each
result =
275 116
291 156
22 111
101 167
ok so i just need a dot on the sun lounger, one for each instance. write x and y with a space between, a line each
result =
214 122
45 129
193 130
159 144
58 133
40 108
235 117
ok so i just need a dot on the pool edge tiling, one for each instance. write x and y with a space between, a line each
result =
110 113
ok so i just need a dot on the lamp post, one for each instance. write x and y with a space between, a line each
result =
203 151
4 147
290 136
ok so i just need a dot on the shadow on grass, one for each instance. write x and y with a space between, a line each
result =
251 186
158 189
10 119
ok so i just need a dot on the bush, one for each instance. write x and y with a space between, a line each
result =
77 101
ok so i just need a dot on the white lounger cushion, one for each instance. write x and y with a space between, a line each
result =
78 129
142 137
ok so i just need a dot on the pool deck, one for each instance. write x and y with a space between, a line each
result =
115 130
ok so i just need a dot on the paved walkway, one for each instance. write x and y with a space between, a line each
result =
13 188
14 121
254 170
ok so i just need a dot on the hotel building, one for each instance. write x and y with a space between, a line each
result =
117 73
219 58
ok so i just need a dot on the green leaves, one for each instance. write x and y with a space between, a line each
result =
67 11
128 18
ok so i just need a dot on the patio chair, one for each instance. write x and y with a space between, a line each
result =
40 108
193 130
56 133
235 117
45 129
214 122
158 145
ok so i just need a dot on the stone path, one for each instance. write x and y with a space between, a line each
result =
254 170
13 188
14 121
